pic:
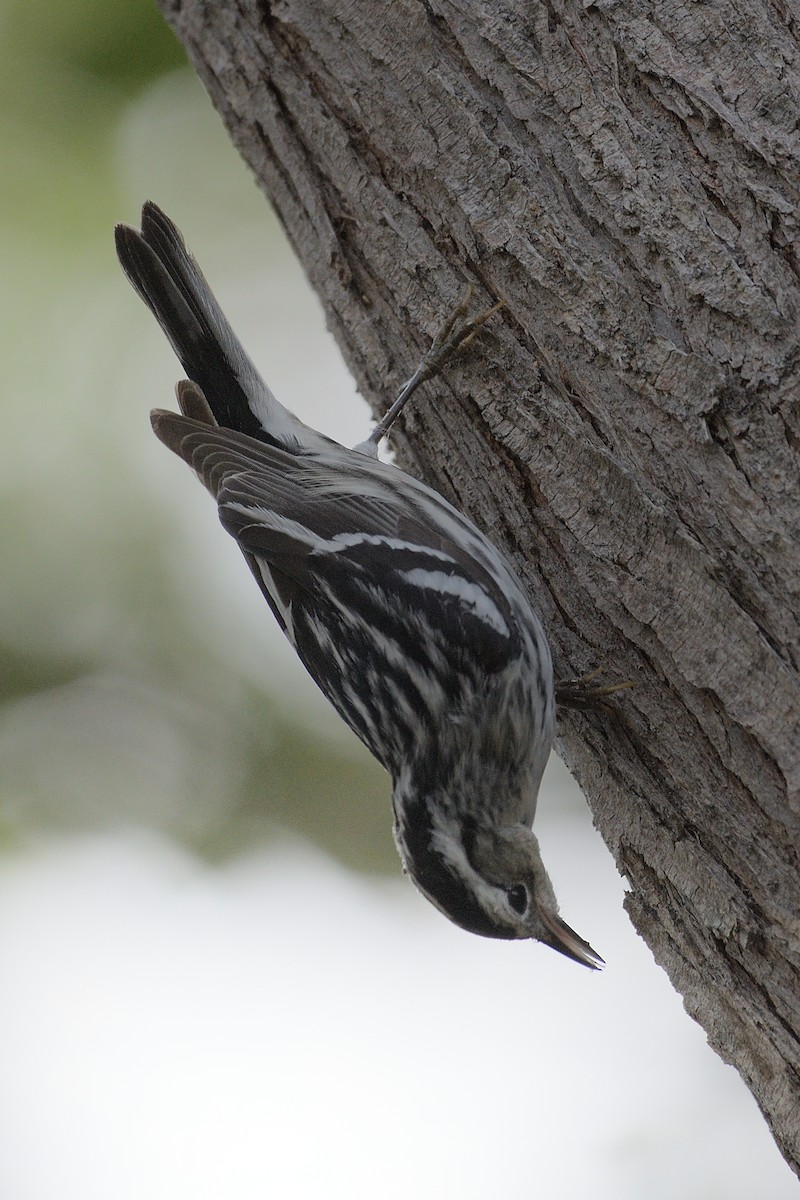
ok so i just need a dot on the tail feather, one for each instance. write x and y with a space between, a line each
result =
166 276
192 403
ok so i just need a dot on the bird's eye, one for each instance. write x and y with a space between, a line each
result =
518 897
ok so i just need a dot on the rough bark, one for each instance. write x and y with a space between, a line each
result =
623 174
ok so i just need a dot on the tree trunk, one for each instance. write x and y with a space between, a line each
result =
623 176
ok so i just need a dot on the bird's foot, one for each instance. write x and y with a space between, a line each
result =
456 334
585 693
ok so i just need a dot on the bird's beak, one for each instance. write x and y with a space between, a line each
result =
566 941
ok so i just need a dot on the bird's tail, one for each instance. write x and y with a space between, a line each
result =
175 290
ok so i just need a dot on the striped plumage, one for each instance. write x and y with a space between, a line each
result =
406 616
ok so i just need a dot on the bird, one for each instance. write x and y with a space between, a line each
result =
410 621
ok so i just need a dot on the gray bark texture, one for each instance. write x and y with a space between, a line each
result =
624 175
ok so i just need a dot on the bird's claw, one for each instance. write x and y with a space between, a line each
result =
456 334
584 693
452 339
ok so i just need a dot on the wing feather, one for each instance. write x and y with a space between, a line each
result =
349 532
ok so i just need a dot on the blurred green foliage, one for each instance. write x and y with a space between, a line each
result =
123 45
67 69
117 704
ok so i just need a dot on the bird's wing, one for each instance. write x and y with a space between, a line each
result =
356 525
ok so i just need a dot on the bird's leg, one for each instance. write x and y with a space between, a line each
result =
584 693
452 339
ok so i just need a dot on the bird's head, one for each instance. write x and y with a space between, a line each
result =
489 880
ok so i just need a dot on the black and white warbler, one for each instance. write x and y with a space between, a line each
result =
406 616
